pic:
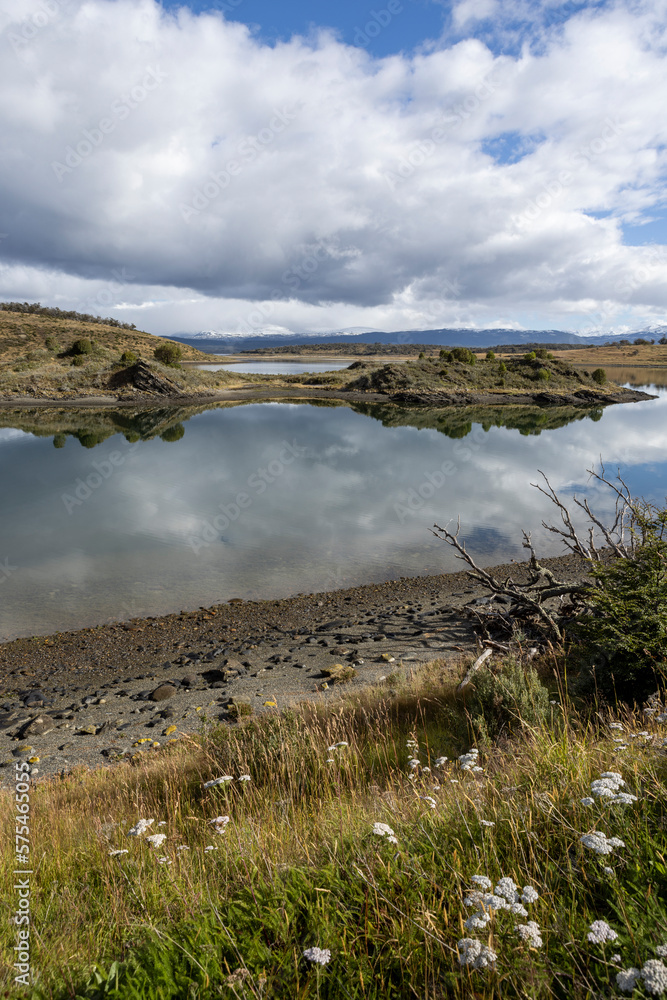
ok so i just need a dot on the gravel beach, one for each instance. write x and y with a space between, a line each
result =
99 695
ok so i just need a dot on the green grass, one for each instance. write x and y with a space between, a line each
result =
298 865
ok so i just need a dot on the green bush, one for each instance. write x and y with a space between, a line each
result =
531 356
421 355
52 344
622 630
59 440
544 375
446 356
599 376
490 356
502 702
174 433
543 354
463 354
83 346
502 367
128 357
78 360
168 354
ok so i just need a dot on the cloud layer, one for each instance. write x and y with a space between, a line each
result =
175 172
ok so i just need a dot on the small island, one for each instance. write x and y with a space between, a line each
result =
49 359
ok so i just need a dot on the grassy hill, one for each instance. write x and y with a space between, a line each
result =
36 357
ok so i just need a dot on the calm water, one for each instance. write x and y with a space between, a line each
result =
277 367
138 514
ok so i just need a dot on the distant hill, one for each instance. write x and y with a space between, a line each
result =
212 343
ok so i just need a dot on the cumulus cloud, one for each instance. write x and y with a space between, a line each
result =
172 170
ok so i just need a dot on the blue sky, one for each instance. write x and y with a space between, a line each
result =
421 164
375 27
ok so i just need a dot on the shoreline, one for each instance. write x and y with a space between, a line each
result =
546 399
91 696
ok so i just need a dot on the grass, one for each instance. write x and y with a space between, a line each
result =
298 864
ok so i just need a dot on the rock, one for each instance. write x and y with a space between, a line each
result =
339 673
24 751
37 727
163 692
189 680
167 713
90 730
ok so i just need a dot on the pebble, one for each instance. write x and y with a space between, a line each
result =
163 692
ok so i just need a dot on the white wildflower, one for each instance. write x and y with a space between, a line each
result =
429 798
661 951
644 732
476 768
624 798
650 711
473 952
518 909
613 776
616 725
477 922
487 822
474 898
164 860
219 824
156 839
318 955
626 979
330 760
245 777
114 854
426 770
530 932
218 781
599 842
600 932
210 847
181 847
588 801
493 902
482 881
508 888
140 828
529 894
382 830
162 822
440 761
654 974
615 959
336 746
453 781
662 717
607 870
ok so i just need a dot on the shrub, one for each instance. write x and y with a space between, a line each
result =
174 433
531 356
421 355
128 357
83 346
543 354
622 630
663 340
52 344
544 375
168 354
503 701
59 440
463 354
446 356
599 376
502 367
78 360
490 356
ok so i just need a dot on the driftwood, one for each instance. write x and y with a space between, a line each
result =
541 606
475 667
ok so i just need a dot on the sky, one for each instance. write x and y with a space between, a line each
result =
244 166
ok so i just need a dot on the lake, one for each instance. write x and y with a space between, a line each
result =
276 367
114 514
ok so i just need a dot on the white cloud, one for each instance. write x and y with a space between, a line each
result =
173 171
